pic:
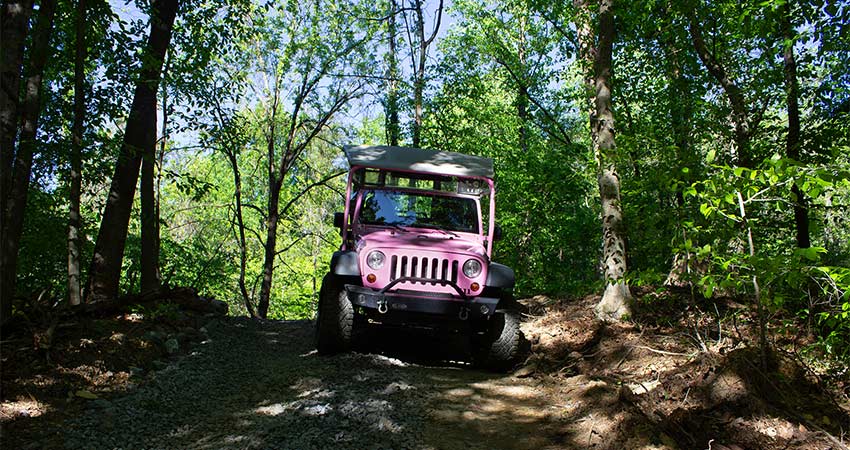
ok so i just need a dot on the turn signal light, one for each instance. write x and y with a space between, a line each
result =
371 278
474 286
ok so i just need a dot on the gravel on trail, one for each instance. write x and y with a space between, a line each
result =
260 385
249 384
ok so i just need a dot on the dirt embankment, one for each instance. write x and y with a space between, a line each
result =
234 383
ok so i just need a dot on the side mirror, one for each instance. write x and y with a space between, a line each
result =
497 233
339 221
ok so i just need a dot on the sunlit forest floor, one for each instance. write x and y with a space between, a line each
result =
669 379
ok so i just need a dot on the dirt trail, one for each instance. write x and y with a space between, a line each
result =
261 385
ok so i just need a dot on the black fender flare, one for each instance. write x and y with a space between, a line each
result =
500 276
345 263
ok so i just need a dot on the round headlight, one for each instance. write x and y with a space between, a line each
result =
472 268
375 260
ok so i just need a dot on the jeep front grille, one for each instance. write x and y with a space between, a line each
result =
434 269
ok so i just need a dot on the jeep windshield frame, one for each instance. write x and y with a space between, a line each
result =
429 172
413 208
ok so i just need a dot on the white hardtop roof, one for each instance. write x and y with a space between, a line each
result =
419 160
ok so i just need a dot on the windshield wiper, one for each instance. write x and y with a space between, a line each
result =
439 228
397 226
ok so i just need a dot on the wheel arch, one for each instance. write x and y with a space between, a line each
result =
345 263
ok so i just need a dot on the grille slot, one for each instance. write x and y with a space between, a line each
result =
434 264
434 269
454 271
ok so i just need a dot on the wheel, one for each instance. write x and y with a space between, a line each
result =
500 346
335 320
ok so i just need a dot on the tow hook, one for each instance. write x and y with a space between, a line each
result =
382 307
464 313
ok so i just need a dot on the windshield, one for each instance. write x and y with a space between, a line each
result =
419 209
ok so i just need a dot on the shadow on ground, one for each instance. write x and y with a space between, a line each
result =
253 384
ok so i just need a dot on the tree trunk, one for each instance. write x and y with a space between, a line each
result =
149 257
140 133
801 211
740 115
150 277
14 25
419 75
615 303
270 252
681 113
419 69
393 127
522 91
74 217
275 184
681 120
240 223
13 221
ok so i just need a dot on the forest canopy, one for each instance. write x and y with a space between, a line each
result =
696 145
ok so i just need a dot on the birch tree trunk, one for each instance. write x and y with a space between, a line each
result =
616 299
140 134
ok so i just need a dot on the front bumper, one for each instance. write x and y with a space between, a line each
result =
421 302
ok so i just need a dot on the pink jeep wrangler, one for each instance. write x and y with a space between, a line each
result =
416 251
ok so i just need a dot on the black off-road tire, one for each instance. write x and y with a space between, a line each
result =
499 349
335 319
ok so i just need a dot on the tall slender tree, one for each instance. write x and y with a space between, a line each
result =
230 143
16 201
15 17
597 54
792 141
419 46
139 135
391 107
744 121
75 176
149 258
316 97
14 26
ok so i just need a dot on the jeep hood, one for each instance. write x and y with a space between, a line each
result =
422 240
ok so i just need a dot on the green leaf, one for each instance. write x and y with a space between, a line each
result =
86 395
709 157
811 253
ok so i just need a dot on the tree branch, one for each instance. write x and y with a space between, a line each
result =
323 181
